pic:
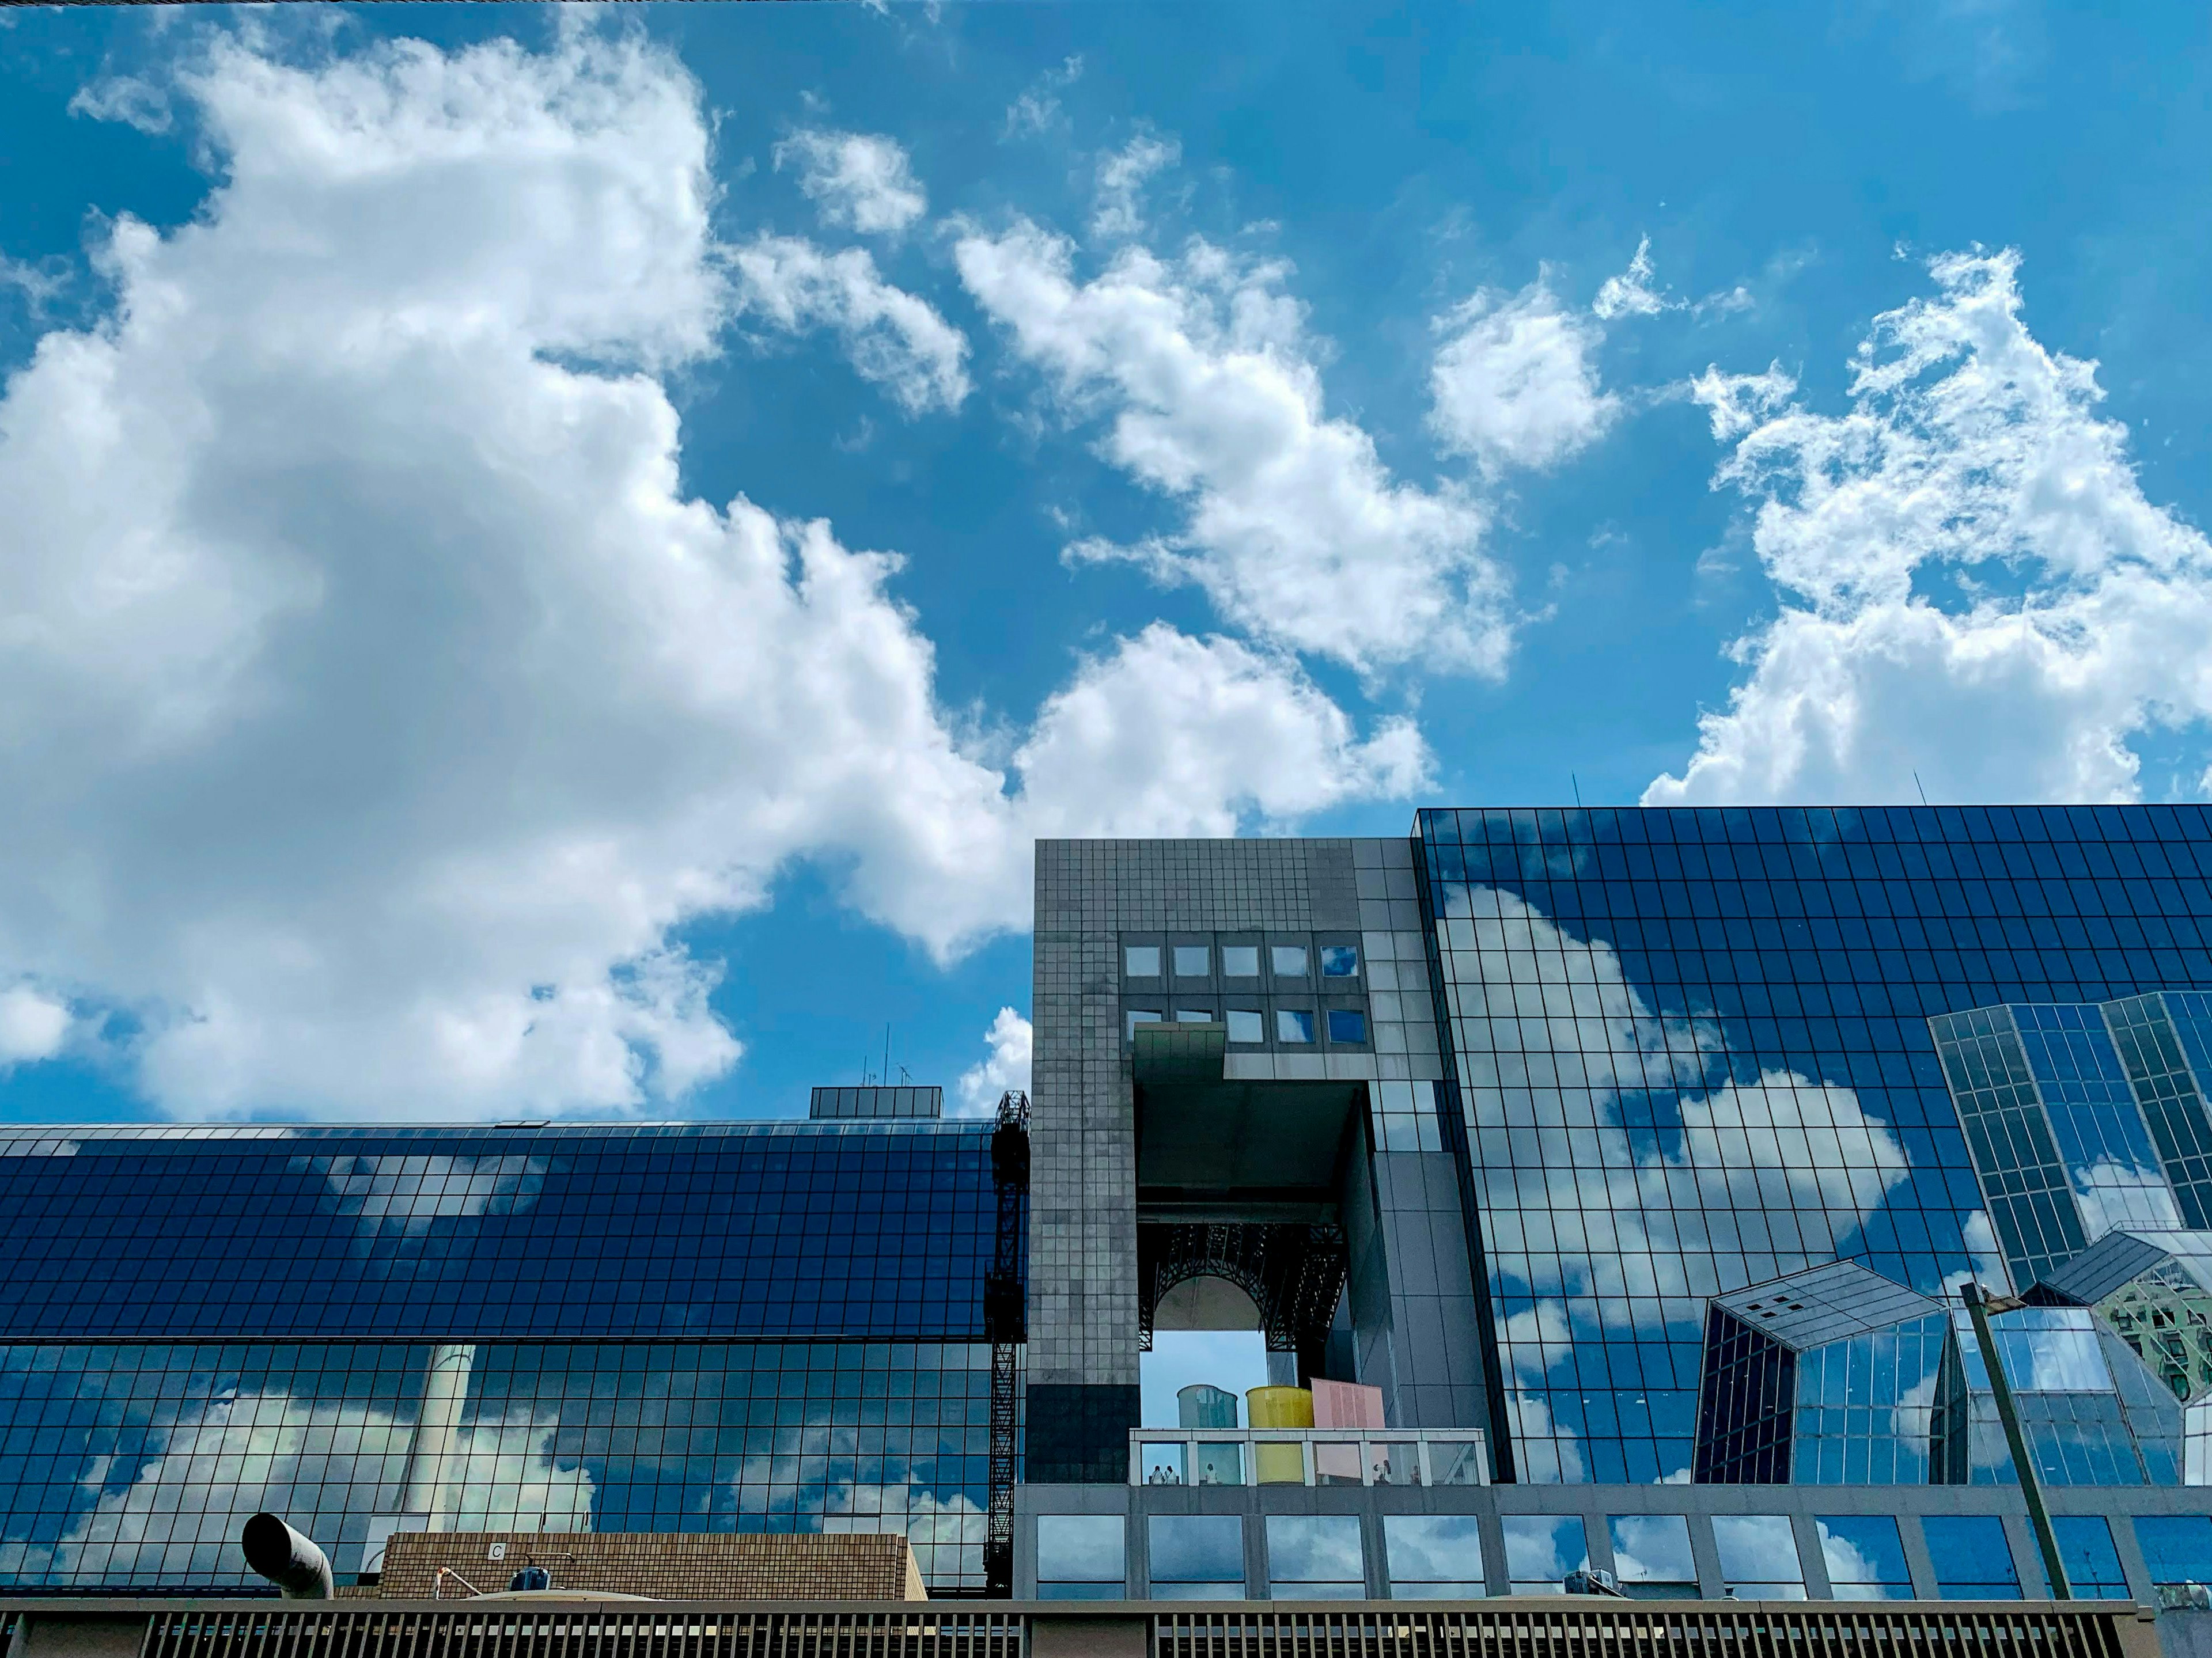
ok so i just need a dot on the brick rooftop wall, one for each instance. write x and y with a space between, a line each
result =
665 1565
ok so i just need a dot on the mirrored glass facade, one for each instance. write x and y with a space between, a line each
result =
1691 1052
366 1331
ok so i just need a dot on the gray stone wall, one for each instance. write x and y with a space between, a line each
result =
1419 1339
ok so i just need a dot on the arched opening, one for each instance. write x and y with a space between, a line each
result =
1205 1328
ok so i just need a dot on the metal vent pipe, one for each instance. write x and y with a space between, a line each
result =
287 1559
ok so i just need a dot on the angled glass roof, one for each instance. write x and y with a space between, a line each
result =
1827 1303
2116 1257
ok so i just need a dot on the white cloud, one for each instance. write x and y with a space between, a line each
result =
1172 736
373 704
1116 213
33 1026
857 180
1037 109
1293 526
1971 583
1514 383
126 99
1630 294
1006 1066
893 338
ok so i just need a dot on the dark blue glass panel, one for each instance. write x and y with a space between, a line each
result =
127 1465
1691 1052
742 1231
1972 1560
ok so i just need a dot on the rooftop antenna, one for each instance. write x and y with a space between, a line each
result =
1921 786
1577 782
886 1074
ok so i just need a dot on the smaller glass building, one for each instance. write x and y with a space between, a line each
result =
1838 1377
748 1327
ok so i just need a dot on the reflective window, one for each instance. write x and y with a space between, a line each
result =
1314 1556
1219 1463
2092 1564
1339 961
1289 961
146 1459
1759 1557
1079 1557
1346 1025
1541 1549
1142 961
1651 1556
1294 1024
1141 1016
1972 1560
1192 961
1718 1021
1195 1557
1240 961
1336 1462
1164 1462
1247 1024
1394 1462
1458 1462
1865 1558
1433 1557
2177 1548
1194 1015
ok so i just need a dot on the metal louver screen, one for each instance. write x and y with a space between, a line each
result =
1627 1631
514 1633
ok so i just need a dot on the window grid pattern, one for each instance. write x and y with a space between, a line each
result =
2116 1177
136 1465
1692 1051
2022 1174
758 1230
1743 1407
2171 1099
1865 1407
1290 993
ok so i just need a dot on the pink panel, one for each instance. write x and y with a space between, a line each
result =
1347 1405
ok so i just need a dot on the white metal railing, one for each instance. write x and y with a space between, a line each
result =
1308 1457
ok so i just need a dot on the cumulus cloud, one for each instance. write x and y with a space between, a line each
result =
857 180
1006 1067
893 338
1172 736
1211 390
374 704
1515 383
1116 212
1971 581
33 1026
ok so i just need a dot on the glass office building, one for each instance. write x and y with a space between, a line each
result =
1694 1053
1635 1158
673 1328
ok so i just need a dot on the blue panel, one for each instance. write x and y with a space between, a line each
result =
745 1230
1691 1053
135 1465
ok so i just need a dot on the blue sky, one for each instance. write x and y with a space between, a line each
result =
1279 417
